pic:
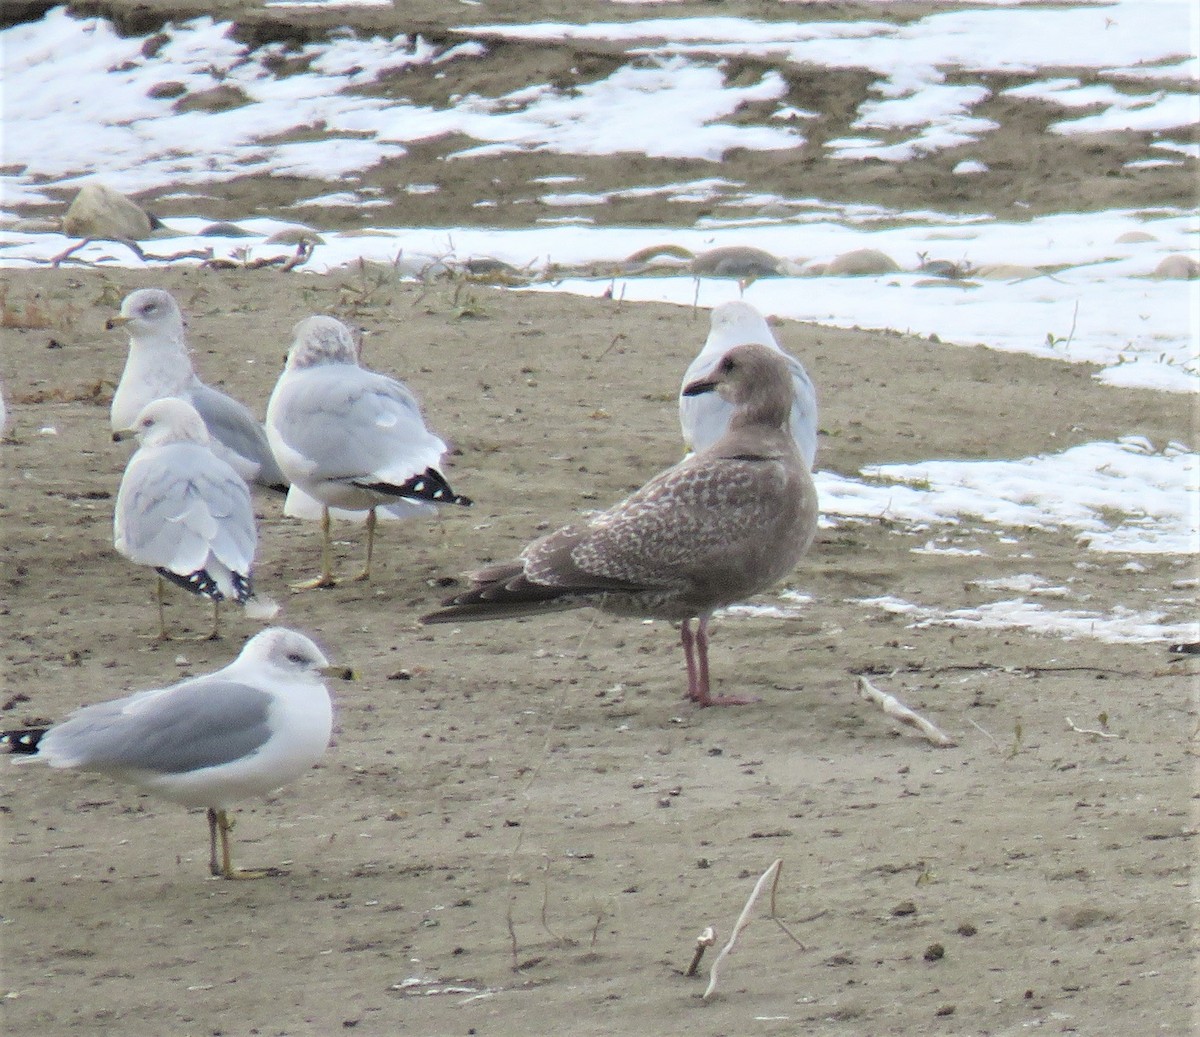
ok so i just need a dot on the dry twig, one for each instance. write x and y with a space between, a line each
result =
705 940
771 874
899 712
1090 730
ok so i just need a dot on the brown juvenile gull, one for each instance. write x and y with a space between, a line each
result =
723 524
350 438
159 365
703 418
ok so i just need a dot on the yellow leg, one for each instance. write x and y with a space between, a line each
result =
224 826
326 578
366 573
162 615
216 627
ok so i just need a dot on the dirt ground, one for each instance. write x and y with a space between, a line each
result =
521 828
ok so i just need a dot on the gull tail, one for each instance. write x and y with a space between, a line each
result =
23 741
503 592
199 582
430 485
207 585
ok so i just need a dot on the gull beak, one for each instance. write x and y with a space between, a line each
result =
699 387
115 322
124 433
339 673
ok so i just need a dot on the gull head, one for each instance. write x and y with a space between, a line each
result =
321 340
730 320
151 315
290 653
169 420
755 379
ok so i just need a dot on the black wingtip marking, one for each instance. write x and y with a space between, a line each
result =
24 741
198 582
429 486
243 588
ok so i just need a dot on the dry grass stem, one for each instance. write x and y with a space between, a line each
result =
772 875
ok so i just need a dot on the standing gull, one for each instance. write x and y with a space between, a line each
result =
245 730
183 510
725 523
350 438
704 418
159 365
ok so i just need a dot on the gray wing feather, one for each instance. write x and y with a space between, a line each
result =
350 423
232 425
178 504
199 723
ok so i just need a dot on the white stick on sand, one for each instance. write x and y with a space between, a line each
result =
772 875
899 712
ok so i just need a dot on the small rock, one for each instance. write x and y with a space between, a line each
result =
295 236
735 261
1131 237
862 262
35 225
224 229
101 212
1005 272
221 98
1178 267
935 952
167 90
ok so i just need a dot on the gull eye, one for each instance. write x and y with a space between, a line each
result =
297 658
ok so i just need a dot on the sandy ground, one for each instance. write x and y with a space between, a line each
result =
521 828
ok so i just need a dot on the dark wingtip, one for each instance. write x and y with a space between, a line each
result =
22 742
199 582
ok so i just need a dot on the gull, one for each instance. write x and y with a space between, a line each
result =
350 438
703 418
158 365
183 510
246 730
725 523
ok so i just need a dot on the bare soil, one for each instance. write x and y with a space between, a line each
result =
521 828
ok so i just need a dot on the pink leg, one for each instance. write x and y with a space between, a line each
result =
689 657
701 694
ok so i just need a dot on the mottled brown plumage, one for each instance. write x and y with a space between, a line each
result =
720 526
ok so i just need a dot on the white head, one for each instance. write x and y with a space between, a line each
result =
735 324
169 420
288 652
321 340
152 317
